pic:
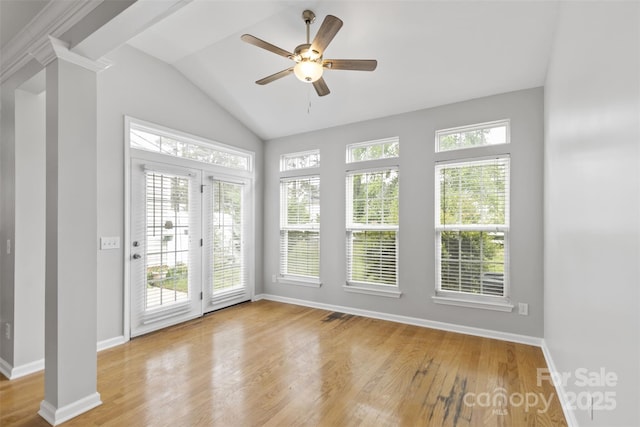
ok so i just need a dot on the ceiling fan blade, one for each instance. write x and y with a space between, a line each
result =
248 38
276 76
350 64
328 30
321 87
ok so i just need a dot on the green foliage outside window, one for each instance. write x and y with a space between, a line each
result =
372 246
473 195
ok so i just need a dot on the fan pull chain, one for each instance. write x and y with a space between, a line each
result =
309 99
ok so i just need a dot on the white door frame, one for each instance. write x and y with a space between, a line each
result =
247 176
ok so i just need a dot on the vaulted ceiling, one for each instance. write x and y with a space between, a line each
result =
429 53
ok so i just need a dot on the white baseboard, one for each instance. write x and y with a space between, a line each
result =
26 369
569 415
13 372
450 327
57 416
111 342
5 368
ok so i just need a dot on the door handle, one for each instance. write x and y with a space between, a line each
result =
137 256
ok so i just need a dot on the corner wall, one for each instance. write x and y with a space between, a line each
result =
143 87
8 210
417 236
592 207
29 246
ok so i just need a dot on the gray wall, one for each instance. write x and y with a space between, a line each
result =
592 206
7 204
416 265
30 227
145 88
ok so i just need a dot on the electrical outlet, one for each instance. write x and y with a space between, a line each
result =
7 330
109 243
523 309
8 246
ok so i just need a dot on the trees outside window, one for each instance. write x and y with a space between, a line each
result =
472 224
300 216
372 214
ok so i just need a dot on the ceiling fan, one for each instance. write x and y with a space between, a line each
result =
309 56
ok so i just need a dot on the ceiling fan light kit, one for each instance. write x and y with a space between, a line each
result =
308 57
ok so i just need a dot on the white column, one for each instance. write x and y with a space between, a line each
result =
71 237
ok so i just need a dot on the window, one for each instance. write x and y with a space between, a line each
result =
372 218
373 150
307 159
472 228
300 219
157 140
227 237
492 133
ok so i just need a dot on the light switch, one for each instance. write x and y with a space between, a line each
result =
109 243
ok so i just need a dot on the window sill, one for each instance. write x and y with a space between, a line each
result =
389 293
485 305
297 281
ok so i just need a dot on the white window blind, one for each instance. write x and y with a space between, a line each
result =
372 227
168 224
300 227
227 237
472 226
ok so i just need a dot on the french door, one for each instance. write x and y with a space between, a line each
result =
188 251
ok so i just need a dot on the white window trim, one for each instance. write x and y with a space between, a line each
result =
381 141
297 154
133 123
129 153
461 299
292 175
477 126
372 166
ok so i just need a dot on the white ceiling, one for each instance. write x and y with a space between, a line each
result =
429 53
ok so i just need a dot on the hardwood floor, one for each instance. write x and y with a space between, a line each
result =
274 364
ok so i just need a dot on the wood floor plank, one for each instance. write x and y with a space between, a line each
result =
274 364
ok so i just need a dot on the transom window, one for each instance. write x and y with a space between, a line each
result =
303 160
388 148
155 140
483 134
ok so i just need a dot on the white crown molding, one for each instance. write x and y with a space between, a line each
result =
55 49
53 20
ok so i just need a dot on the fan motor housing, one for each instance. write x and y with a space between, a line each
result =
304 51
